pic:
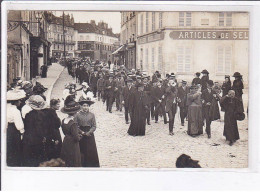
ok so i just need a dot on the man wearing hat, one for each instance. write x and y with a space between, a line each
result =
204 79
93 82
210 109
157 94
128 92
147 91
183 91
119 85
196 80
110 89
171 102
100 87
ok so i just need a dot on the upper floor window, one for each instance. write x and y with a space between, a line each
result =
153 21
224 59
184 59
184 18
147 22
225 19
142 24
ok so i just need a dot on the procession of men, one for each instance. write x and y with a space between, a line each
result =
33 140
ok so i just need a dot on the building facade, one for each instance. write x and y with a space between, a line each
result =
128 37
27 45
188 42
59 39
94 41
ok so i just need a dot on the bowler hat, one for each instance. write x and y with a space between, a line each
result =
237 74
205 71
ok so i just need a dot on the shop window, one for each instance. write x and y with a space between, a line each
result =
184 18
225 19
224 60
184 59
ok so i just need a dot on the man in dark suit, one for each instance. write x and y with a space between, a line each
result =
127 96
204 79
93 82
207 97
183 90
147 91
171 103
157 94
110 90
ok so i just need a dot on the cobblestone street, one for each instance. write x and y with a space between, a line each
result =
157 149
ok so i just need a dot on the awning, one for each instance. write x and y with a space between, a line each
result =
119 49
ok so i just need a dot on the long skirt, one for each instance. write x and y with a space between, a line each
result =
88 149
33 155
14 146
195 121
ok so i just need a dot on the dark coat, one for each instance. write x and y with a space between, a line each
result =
138 119
93 81
211 110
204 81
171 95
109 91
53 150
182 95
157 93
225 88
147 90
238 87
70 151
231 106
196 81
128 95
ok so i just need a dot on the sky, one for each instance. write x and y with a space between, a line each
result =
112 18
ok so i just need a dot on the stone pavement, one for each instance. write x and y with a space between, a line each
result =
53 74
157 149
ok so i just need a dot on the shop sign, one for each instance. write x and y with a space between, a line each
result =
209 35
151 38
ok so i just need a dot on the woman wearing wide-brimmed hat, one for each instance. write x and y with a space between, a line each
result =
36 124
70 151
15 127
87 123
238 86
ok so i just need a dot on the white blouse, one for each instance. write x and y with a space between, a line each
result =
14 116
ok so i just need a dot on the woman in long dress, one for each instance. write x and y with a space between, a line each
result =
87 123
195 120
70 151
15 128
138 109
232 106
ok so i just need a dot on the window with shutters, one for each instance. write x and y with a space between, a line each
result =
153 53
184 59
153 21
225 19
160 59
224 60
184 18
160 19
147 22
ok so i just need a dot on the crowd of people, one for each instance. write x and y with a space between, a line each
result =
33 135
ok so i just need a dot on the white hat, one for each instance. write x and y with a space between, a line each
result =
13 95
36 102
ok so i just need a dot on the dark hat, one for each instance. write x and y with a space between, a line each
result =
205 71
70 107
210 82
87 100
237 74
227 76
198 74
240 116
172 74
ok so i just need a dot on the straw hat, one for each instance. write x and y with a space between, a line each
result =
13 95
36 102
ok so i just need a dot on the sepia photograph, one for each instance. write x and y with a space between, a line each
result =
127 89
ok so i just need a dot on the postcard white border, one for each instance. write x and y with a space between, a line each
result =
24 178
